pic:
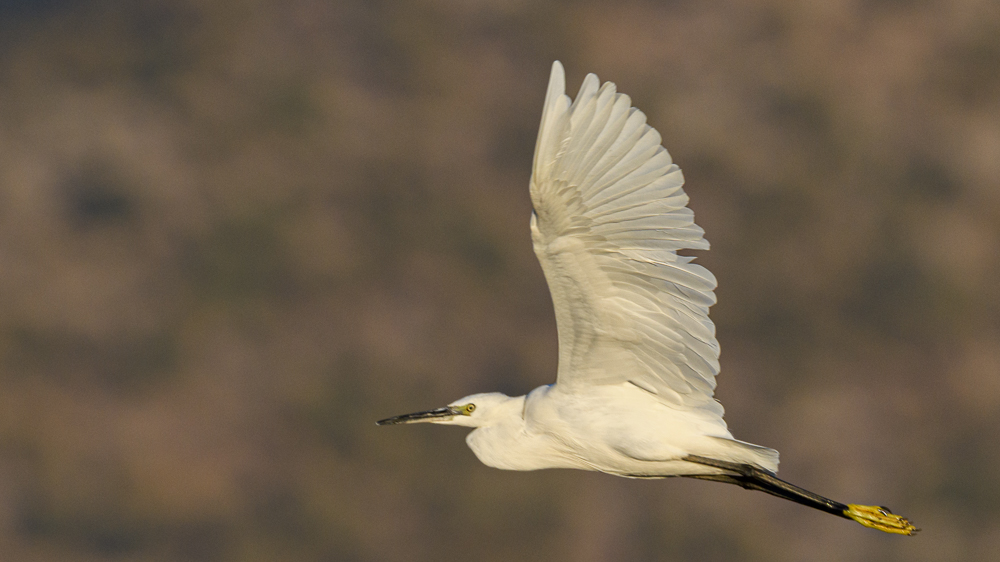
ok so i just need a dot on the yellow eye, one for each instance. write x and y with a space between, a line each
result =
469 408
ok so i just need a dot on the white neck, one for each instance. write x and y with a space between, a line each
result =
504 441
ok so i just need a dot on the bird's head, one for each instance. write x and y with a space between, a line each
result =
472 411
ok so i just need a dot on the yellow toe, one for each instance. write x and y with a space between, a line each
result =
880 518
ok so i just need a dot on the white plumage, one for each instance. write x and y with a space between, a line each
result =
634 334
637 352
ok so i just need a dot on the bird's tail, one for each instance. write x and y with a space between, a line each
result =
742 452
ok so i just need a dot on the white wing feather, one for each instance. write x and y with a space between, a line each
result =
610 214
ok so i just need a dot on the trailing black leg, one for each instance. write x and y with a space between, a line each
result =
754 478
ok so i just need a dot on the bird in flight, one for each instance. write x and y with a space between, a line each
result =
637 352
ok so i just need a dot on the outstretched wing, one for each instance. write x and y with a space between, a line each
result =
609 216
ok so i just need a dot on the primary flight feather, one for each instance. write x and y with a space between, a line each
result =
637 351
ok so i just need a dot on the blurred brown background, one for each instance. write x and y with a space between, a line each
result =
234 234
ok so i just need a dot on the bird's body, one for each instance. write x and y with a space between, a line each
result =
619 429
637 352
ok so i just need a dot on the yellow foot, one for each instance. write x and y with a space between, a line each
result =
880 518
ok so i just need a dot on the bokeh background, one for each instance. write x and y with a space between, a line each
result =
234 234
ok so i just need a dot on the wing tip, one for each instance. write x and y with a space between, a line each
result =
557 81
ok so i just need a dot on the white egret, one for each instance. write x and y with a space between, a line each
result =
637 351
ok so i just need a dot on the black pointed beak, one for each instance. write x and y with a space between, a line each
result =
421 417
